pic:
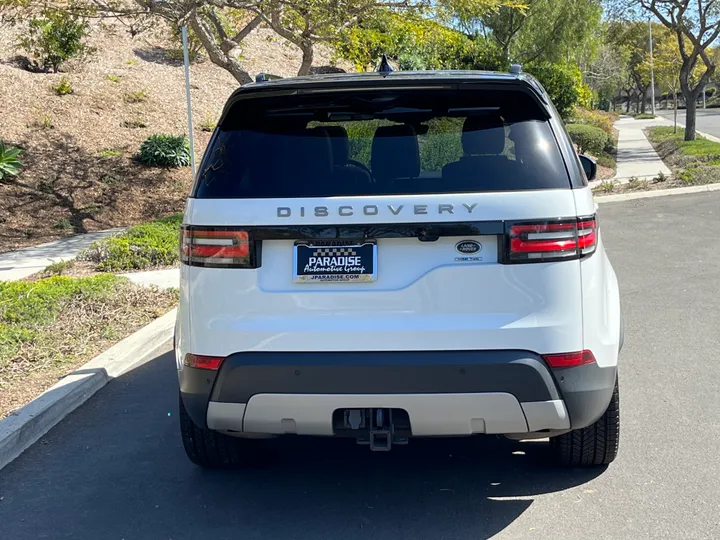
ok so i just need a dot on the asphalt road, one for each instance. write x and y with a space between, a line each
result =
708 120
115 469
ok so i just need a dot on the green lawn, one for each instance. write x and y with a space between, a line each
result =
692 162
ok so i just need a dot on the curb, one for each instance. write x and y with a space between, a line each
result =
656 193
24 427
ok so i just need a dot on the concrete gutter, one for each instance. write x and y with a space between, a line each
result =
655 193
25 426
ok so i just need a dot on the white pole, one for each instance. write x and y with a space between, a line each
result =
652 71
187 98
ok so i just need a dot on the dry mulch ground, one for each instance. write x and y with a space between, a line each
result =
67 187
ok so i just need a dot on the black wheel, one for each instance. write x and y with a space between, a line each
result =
594 445
211 449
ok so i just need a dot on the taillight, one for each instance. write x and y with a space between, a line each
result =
216 247
544 241
571 359
203 362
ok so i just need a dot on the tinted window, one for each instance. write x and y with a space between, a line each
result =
382 143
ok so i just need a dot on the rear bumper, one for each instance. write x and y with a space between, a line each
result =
444 392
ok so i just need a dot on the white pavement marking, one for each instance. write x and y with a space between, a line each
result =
635 156
15 265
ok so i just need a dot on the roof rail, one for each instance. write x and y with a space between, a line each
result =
264 77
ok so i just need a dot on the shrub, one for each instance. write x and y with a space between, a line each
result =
597 119
606 186
63 88
165 151
588 138
560 83
143 246
10 163
606 161
55 38
137 96
208 123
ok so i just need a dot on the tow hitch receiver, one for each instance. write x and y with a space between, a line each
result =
380 428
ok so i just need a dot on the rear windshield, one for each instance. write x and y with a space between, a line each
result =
392 142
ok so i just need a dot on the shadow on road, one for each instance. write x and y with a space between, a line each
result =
116 469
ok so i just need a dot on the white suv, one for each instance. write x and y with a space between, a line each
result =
387 256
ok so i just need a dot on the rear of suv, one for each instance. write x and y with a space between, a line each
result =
389 256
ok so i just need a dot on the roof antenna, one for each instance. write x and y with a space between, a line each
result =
385 66
516 69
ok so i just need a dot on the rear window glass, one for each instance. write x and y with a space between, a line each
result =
382 143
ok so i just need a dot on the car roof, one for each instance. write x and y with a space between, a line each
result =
373 78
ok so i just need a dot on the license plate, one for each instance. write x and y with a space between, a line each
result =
336 261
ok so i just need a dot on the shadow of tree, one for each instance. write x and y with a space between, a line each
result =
65 189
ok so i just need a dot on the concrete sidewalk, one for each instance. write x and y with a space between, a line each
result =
20 264
636 156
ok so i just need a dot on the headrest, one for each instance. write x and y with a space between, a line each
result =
483 135
340 145
395 153
315 153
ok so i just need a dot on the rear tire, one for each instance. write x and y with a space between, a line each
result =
594 445
211 449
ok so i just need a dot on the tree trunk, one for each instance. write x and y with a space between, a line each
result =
308 52
644 99
224 59
627 104
690 113
675 104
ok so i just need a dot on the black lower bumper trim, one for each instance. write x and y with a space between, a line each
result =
520 373
585 389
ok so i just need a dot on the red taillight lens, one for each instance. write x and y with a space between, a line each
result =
216 247
545 241
203 362
571 359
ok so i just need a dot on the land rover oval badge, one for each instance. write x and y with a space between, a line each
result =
468 247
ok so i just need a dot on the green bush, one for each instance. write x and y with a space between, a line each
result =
10 163
55 38
599 119
143 246
559 82
588 138
63 88
165 151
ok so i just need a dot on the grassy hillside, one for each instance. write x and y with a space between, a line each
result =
79 149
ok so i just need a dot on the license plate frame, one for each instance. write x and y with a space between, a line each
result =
366 250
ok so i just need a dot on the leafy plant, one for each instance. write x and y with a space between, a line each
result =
55 38
108 153
208 123
63 224
165 151
135 123
561 84
588 138
635 184
63 88
606 161
606 186
661 177
10 163
44 122
114 78
137 96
